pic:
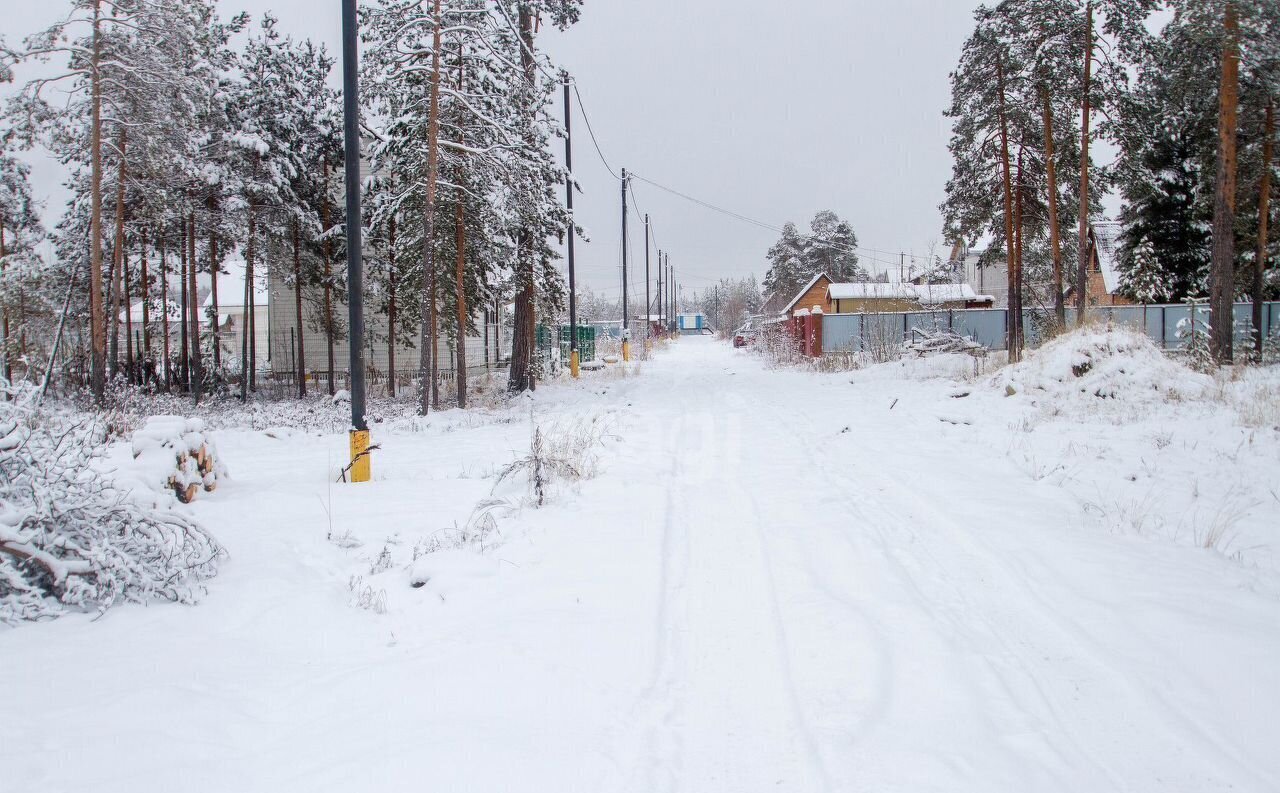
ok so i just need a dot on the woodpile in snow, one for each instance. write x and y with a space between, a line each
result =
76 534
176 453
933 342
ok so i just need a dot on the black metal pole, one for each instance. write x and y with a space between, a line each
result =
648 323
657 299
568 188
626 315
355 268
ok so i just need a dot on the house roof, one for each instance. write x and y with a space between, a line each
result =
158 308
1106 234
231 288
871 291
804 291
950 293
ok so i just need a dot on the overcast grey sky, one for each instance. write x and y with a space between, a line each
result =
774 110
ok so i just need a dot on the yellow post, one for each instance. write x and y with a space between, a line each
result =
573 364
626 350
361 467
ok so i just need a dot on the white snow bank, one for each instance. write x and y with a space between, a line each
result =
450 571
1101 363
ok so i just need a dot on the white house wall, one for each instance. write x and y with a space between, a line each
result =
283 333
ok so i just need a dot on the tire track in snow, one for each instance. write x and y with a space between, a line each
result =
1050 634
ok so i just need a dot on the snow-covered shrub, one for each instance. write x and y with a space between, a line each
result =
1271 348
882 337
779 348
175 452
1194 334
559 452
1101 362
71 536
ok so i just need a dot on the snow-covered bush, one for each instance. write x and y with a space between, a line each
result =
882 337
559 452
1194 334
71 537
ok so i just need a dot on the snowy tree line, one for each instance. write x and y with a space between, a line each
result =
189 138
830 247
1183 90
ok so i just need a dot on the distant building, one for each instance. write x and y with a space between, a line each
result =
872 298
1103 281
987 274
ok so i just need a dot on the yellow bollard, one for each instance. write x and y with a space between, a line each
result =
361 467
573 364
626 350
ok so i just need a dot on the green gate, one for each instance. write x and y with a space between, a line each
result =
560 349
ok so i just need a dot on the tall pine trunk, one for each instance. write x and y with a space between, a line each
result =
144 286
98 357
1264 218
327 249
460 236
185 355
214 267
427 304
246 306
1222 272
1018 222
165 369
127 292
523 333
460 263
301 352
117 255
1010 253
193 307
6 368
391 306
1055 241
1082 251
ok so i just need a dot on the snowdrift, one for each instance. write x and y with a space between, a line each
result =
1104 362
75 536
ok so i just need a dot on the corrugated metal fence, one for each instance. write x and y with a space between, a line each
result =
988 326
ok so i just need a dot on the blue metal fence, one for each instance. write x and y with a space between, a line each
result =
988 326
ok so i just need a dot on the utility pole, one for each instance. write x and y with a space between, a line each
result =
658 299
360 467
626 314
574 362
648 324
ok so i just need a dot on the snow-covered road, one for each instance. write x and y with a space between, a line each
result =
778 581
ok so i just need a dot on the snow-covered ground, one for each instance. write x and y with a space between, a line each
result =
894 579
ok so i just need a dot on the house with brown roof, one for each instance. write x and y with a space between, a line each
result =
1103 274
811 294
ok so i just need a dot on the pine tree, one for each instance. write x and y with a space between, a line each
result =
1142 277
21 283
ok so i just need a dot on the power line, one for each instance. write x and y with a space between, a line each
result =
867 252
582 108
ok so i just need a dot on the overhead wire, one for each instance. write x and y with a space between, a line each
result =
582 111
872 254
